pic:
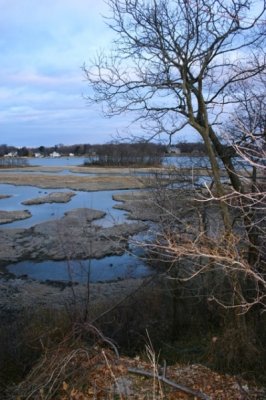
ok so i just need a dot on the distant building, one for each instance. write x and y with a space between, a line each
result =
54 154
71 154
11 154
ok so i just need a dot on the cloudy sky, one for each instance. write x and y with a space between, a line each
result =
43 45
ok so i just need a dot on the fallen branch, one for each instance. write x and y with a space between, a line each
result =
163 379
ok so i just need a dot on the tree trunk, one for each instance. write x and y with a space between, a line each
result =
217 180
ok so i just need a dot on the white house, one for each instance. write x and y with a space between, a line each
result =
11 154
54 154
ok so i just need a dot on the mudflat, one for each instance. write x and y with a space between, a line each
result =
54 197
76 235
10 216
72 237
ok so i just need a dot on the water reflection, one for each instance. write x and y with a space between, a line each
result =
106 269
178 161
55 162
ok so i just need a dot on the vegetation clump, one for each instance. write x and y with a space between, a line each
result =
142 154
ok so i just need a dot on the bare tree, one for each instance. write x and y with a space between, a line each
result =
174 63
224 276
180 62
246 131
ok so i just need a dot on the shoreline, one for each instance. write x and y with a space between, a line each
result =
17 294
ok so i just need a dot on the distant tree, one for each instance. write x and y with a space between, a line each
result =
23 152
127 154
42 150
78 150
3 150
191 147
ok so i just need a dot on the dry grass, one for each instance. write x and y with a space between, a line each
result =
79 362
91 373
88 183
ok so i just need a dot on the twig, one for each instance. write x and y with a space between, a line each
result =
112 375
162 378
104 338
164 369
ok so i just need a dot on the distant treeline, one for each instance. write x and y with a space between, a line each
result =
101 149
127 154
191 147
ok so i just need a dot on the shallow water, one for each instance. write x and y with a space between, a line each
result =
101 200
56 162
105 269
61 172
179 161
82 271
186 162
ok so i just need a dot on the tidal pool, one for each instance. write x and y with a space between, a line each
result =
101 200
105 269
95 270
83 271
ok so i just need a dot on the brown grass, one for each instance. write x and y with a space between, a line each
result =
88 183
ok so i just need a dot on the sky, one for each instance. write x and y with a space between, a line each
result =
43 45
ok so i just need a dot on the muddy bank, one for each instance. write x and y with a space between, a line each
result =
54 197
140 205
11 216
72 237
4 196
75 236
17 294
